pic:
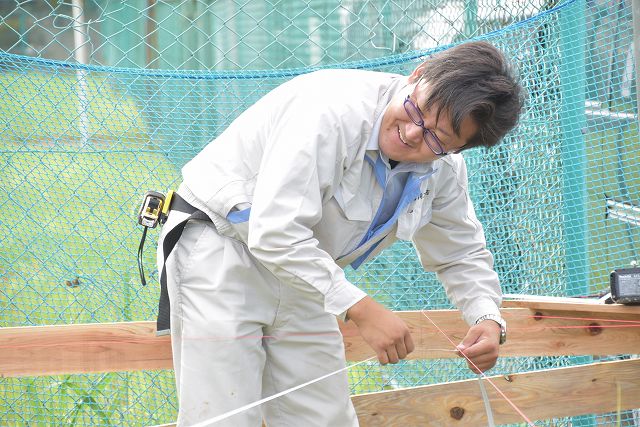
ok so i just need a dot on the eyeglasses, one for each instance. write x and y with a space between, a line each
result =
430 138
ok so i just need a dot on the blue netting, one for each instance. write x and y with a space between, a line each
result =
82 142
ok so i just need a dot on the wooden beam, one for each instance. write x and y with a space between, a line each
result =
71 349
536 332
573 305
562 392
68 349
554 393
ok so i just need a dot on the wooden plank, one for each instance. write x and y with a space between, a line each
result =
112 347
69 349
574 305
530 333
541 395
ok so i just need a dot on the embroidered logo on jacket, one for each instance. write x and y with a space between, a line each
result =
422 195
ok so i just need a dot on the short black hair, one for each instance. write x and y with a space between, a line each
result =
475 80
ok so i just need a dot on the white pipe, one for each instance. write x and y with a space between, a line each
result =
622 205
80 54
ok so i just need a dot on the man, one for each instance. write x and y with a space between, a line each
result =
323 172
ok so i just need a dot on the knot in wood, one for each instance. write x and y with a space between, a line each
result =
456 412
594 328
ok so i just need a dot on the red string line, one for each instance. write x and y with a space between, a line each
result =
533 328
147 340
482 373
624 324
301 334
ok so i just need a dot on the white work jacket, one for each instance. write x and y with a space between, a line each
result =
289 178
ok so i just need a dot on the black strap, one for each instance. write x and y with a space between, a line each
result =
170 240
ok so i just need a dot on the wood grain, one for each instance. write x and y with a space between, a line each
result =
544 330
540 395
69 349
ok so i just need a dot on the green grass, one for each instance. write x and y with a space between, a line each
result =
69 242
45 107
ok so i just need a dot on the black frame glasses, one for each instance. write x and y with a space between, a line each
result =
430 138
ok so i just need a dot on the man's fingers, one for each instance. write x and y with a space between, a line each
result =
483 361
475 370
383 358
480 349
482 366
393 354
401 349
408 342
383 330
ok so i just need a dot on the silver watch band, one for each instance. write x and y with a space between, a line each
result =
500 321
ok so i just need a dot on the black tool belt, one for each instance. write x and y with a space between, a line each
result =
170 240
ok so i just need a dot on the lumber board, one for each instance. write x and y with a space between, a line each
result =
541 395
83 348
574 305
537 332
130 346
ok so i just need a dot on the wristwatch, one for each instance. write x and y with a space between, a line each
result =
500 321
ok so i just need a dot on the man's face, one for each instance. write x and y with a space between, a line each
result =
402 140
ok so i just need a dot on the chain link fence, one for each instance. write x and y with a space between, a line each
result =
103 100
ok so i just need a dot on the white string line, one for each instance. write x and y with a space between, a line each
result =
275 396
292 389
487 404
482 374
282 393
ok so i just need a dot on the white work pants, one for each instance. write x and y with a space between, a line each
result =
239 335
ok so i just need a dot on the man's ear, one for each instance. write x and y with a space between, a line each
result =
417 73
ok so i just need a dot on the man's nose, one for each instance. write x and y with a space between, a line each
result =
413 131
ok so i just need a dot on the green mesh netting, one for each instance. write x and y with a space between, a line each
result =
103 100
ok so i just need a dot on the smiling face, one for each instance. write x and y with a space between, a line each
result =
402 140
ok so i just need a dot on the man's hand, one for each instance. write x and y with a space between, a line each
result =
481 345
382 329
